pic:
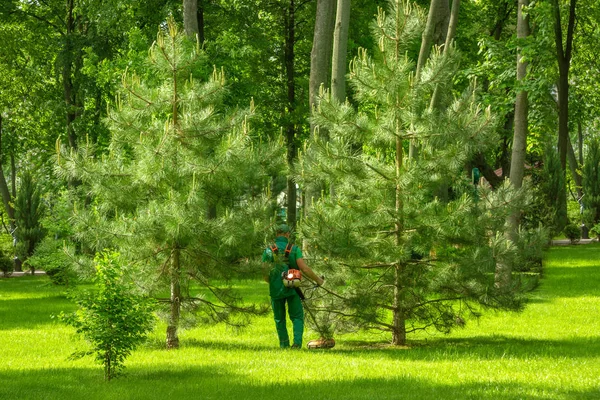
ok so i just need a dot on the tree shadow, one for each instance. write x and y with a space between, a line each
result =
31 313
218 383
213 345
573 281
479 347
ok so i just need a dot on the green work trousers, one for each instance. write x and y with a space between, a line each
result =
296 313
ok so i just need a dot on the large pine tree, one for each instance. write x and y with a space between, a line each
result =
175 152
408 244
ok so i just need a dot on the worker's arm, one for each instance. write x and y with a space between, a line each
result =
308 272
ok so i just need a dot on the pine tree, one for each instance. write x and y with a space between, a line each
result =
29 211
175 151
407 245
591 181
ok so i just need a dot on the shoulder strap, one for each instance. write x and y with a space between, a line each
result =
288 249
274 248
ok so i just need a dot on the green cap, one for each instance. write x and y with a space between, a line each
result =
283 228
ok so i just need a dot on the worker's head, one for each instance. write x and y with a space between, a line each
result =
283 230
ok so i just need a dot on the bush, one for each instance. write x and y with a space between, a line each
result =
7 266
572 232
112 318
531 245
595 230
50 256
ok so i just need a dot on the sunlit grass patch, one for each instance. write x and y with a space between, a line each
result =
549 351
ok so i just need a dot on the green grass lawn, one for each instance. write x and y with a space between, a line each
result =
549 351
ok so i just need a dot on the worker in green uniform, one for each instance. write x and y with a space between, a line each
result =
281 256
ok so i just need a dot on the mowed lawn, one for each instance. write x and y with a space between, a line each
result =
549 351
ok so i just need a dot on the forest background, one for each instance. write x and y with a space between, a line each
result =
64 66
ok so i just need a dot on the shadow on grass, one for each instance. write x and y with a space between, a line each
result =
573 282
217 383
452 349
31 313
159 344
477 347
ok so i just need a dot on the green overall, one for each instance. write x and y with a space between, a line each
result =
281 295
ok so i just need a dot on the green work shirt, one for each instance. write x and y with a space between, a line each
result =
276 288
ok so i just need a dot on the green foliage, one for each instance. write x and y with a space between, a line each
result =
595 230
7 266
504 355
29 211
547 184
572 232
6 244
176 151
50 256
531 245
113 319
591 180
407 243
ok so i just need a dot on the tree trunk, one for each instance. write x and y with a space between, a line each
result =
190 17
290 39
320 68
200 17
398 319
574 167
7 199
563 56
435 99
321 53
435 33
13 174
580 141
175 300
67 75
519 147
340 50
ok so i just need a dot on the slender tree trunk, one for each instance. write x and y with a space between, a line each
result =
13 174
7 199
200 17
290 39
502 17
563 55
435 32
574 167
398 317
519 147
67 75
340 50
580 141
320 68
321 53
435 99
175 299
190 17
